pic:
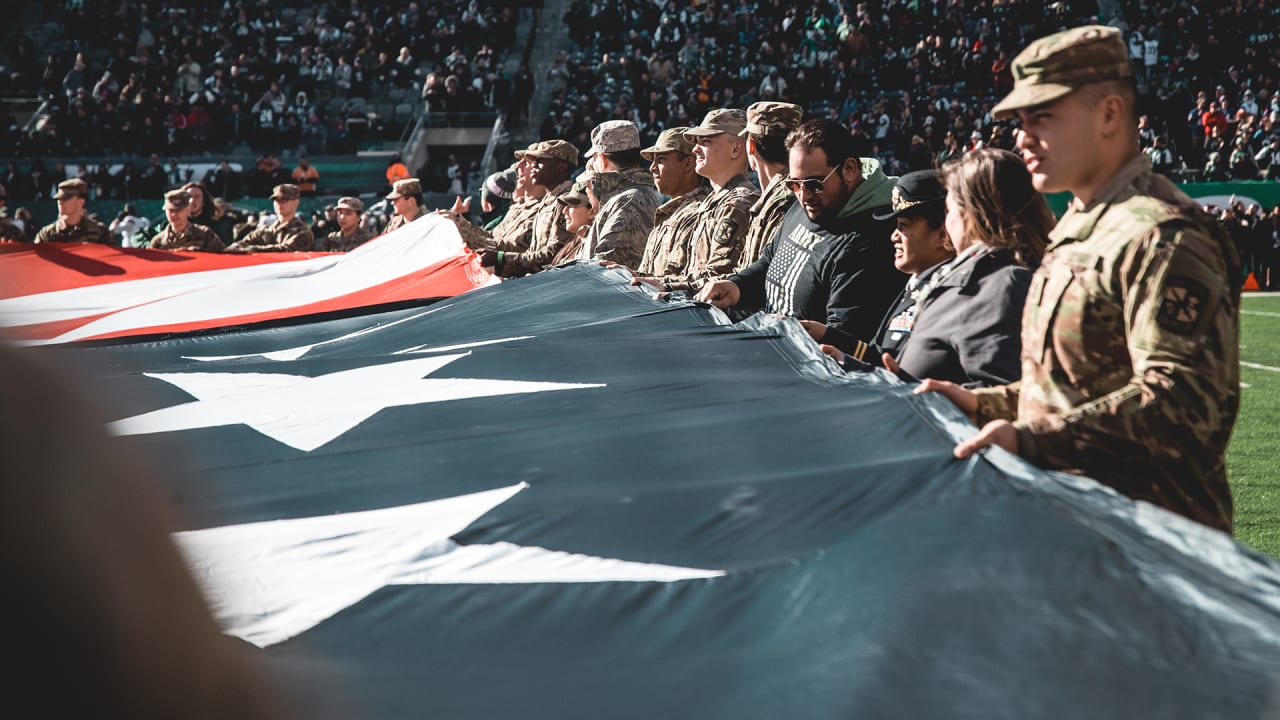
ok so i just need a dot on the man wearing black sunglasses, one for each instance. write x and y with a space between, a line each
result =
832 261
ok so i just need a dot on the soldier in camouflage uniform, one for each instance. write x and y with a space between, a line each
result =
768 123
1130 336
720 156
625 192
73 223
181 233
287 234
350 234
514 232
553 161
406 197
666 252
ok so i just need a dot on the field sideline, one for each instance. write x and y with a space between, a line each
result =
1252 466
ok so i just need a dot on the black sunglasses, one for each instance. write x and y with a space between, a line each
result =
813 186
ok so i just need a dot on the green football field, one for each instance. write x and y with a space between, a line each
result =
1251 459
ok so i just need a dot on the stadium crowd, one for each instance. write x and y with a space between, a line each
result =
915 82
182 78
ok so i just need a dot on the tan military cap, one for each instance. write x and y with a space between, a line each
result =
287 191
772 118
613 136
722 120
405 188
176 199
575 196
1057 64
350 203
671 139
74 187
555 149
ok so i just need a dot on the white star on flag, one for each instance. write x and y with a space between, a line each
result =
270 581
308 412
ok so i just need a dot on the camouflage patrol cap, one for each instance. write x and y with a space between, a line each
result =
670 140
552 149
287 191
613 136
575 196
1053 66
720 120
354 204
177 199
75 187
405 188
772 118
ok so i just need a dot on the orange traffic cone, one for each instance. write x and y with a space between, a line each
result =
1251 283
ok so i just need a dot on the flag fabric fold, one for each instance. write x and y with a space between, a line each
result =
83 291
561 497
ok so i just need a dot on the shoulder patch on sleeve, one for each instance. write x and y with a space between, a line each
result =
728 228
1180 305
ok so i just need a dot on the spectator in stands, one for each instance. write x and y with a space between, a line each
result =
306 177
129 228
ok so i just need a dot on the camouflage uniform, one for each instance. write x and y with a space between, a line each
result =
512 234
1130 349
667 251
548 237
628 202
87 230
398 221
337 242
766 218
293 236
198 236
716 242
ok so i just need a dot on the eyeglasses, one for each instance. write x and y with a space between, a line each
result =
813 186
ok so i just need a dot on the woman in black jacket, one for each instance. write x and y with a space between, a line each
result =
969 314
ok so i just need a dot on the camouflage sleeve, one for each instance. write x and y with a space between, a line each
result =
729 229
621 236
535 258
209 241
100 234
650 256
1182 336
997 403
291 240
475 238
42 235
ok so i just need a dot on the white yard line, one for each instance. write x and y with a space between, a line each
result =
1260 313
1256 366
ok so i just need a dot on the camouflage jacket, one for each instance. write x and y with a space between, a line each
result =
512 234
293 236
766 218
666 253
337 242
628 201
87 230
196 236
716 242
1130 349
398 220
549 236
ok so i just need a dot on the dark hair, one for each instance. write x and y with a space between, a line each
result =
773 148
625 158
1001 206
828 135
934 213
